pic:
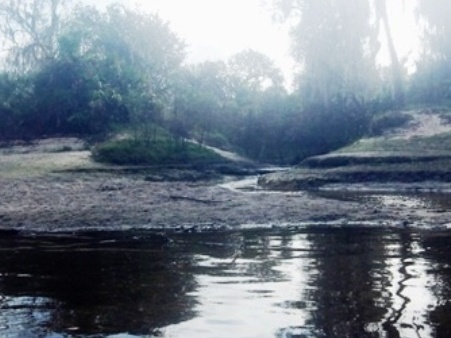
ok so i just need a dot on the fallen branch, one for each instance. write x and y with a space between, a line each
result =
174 197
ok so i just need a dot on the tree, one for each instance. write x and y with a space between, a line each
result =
16 102
155 47
397 81
437 27
254 70
103 69
151 49
200 97
29 31
128 59
81 96
335 45
431 82
235 104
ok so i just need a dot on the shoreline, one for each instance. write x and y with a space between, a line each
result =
46 189
74 202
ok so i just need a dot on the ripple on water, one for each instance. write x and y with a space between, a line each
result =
253 283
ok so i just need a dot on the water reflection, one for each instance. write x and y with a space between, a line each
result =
437 247
256 296
91 286
313 282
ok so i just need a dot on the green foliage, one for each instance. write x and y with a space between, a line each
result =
388 120
416 145
431 84
70 100
16 102
216 139
158 152
326 129
28 31
98 77
437 28
336 46
93 73
254 71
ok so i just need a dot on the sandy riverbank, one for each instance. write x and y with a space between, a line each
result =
47 189
73 201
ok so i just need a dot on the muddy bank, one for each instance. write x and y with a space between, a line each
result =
415 154
43 188
86 201
75 202
336 170
402 165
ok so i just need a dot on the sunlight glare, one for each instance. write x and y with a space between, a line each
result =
406 35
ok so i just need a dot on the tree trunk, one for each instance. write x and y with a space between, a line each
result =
398 90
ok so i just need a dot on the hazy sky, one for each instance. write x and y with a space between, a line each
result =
216 29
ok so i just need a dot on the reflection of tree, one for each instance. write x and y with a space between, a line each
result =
343 292
438 246
261 250
267 250
356 282
404 252
102 287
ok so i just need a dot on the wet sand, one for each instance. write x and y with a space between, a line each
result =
44 187
81 201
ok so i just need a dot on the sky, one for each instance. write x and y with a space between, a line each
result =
217 29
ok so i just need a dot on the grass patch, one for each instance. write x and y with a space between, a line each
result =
41 164
436 143
157 152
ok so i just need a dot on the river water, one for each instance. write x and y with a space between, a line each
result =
299 282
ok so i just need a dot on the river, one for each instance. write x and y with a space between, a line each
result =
317 281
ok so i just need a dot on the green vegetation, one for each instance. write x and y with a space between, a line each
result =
388 120
158 152
79 71
436 143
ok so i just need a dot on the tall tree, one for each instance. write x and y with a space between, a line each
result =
29 30
139 55
436 17
254 70
431 82
154 45
382 16
200 96
95 75
335 45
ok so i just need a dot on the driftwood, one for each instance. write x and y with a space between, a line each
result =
185 198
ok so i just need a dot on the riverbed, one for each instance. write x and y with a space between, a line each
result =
113 252
121 201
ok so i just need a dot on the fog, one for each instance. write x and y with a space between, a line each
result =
307 77
218 29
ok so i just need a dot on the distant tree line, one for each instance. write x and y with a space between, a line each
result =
70 69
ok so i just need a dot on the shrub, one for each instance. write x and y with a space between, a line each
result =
139 152
387 121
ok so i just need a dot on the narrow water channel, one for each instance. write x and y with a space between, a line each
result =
305 282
